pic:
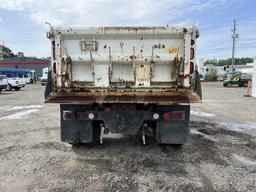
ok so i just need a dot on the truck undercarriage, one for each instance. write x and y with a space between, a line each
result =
87 124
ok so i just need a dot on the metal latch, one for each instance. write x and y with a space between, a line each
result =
89 45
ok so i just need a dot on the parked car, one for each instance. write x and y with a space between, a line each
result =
3 82
14 81
23 82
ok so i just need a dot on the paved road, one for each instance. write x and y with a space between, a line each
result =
220 154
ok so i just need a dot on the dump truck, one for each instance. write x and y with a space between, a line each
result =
131 80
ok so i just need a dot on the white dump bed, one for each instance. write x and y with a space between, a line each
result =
123 64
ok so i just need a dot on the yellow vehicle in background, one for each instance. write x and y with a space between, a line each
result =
237 79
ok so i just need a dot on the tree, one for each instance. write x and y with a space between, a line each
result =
7 52
212 75
211 61
228 61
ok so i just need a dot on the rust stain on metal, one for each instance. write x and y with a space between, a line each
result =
122 45
123 97
172 49
137 71
134 28
185 30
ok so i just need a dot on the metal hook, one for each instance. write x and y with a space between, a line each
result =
49 24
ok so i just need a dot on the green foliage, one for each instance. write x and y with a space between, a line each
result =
212 75
225 76
222 62
7 52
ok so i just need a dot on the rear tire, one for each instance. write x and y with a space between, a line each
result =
8 88
196 83
229 85
0 90
177 146
74 145
168 147
48 88
17 88
96 133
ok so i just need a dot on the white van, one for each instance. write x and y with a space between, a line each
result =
44 76
28 75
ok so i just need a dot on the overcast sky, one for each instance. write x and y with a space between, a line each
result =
22 25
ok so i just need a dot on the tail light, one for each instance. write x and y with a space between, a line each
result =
71 115
191 68
81 116
68 115
166 116
53 54
53 50
192 53
54 66
174 115
178 115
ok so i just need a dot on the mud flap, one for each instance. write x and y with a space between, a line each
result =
48 88
196 83
76 131
173 131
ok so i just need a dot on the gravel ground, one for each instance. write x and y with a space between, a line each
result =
220 154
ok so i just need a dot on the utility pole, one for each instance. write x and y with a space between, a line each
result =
234 37
1 51
254 78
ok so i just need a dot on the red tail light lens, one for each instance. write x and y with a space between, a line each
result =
80 116
191 68
178 115
174 115
68 115
166 116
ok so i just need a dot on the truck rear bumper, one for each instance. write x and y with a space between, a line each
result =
123 97
77 122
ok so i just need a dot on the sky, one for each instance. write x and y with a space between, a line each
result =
23 28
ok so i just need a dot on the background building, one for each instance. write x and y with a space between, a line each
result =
222 70
25 63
